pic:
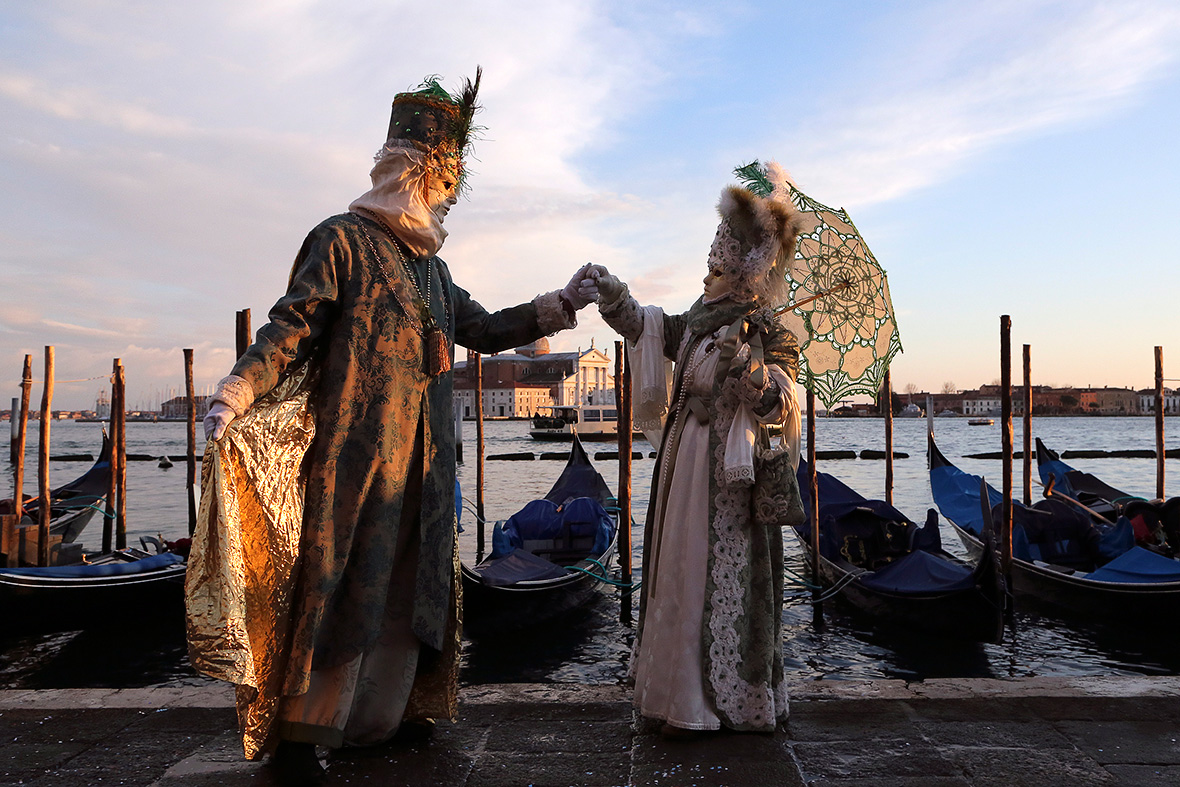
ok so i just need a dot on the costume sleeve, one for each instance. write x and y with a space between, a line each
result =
489 332
674 327
625 316
781 354
296 321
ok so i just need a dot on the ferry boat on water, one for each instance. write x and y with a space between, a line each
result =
590 421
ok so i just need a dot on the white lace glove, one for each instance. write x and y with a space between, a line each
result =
220 414
582 289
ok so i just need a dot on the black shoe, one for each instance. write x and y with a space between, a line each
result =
296 765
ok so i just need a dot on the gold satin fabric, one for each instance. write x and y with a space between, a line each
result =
242 568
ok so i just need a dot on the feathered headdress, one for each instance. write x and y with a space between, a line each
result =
437 122
759 227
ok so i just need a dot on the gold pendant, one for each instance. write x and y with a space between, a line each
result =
438 353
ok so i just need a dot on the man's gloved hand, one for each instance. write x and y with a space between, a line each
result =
582 289
220 414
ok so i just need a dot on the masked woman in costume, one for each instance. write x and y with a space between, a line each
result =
335 609
708 650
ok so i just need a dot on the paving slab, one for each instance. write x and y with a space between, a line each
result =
987 733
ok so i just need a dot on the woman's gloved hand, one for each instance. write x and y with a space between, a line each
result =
610 288
220 414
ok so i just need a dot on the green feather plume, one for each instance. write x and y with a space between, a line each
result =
752 176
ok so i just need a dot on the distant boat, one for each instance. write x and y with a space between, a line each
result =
981 421
946 414
590 421
911 410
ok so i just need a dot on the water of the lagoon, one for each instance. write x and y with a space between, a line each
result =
592 646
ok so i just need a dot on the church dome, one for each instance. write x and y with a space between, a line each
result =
539 347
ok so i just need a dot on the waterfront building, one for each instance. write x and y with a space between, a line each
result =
1147 401
985 401
520 383
1110 401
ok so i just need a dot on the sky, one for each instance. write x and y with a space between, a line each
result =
161 163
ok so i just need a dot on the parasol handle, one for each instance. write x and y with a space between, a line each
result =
841 286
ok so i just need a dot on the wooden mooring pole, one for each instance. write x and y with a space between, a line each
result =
1027 466
813 483
12 553
1006 441
242 331
1159 422
108 520
191 454
458 431
887 388
623 496
120 418
477 360
43 461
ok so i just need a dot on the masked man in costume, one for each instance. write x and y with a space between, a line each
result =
708 650
335 610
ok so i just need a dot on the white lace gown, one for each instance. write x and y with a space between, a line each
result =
668 665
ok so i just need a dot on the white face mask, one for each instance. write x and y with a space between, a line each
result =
718 285
410 198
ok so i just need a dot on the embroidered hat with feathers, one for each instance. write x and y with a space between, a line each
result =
756 239
436 122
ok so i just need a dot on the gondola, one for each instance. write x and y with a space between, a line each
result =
547 559
72 505
1156 524
1062 560
115 587
897 572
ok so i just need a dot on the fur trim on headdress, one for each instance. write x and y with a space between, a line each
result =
756 242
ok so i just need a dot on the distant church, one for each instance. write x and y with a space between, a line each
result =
518 384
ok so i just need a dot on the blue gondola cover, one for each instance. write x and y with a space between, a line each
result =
152 563
1138 565
919 572
518 566
543 519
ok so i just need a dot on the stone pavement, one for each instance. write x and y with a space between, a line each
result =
1029 732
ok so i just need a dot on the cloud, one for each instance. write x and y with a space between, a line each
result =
163 163
80 104
1058 67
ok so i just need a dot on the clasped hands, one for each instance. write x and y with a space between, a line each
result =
592 283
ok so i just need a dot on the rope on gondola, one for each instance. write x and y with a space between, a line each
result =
469 506
602 578
835 589
829 593
797 581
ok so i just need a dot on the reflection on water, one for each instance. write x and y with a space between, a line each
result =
591 646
